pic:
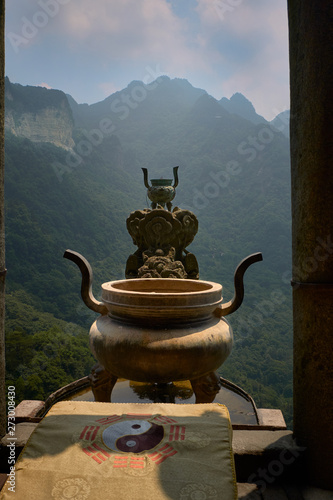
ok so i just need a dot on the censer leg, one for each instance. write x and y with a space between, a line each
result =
102 383
205 388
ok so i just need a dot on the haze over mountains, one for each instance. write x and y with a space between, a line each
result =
73 175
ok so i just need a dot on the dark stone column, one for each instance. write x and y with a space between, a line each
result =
311 68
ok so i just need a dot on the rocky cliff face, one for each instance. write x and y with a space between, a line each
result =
39 114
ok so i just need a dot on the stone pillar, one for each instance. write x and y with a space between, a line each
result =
2 224
311 70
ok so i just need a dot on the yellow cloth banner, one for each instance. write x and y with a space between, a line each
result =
100 451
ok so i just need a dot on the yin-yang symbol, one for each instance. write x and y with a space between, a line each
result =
134 436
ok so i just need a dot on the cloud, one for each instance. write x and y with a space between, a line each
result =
90 48
109 88
45 85
128 32
253 37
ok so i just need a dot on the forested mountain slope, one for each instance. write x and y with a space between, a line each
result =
234 175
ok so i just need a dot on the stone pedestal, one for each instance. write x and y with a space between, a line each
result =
162 237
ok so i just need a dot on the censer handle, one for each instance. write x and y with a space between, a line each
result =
236 301
145 177
86 284
175 176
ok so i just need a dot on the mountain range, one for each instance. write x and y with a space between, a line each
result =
73 175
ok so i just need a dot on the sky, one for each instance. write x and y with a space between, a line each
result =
92 48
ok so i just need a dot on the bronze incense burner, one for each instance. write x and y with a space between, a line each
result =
162 323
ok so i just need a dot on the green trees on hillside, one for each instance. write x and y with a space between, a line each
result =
42 353
39 364
233 174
